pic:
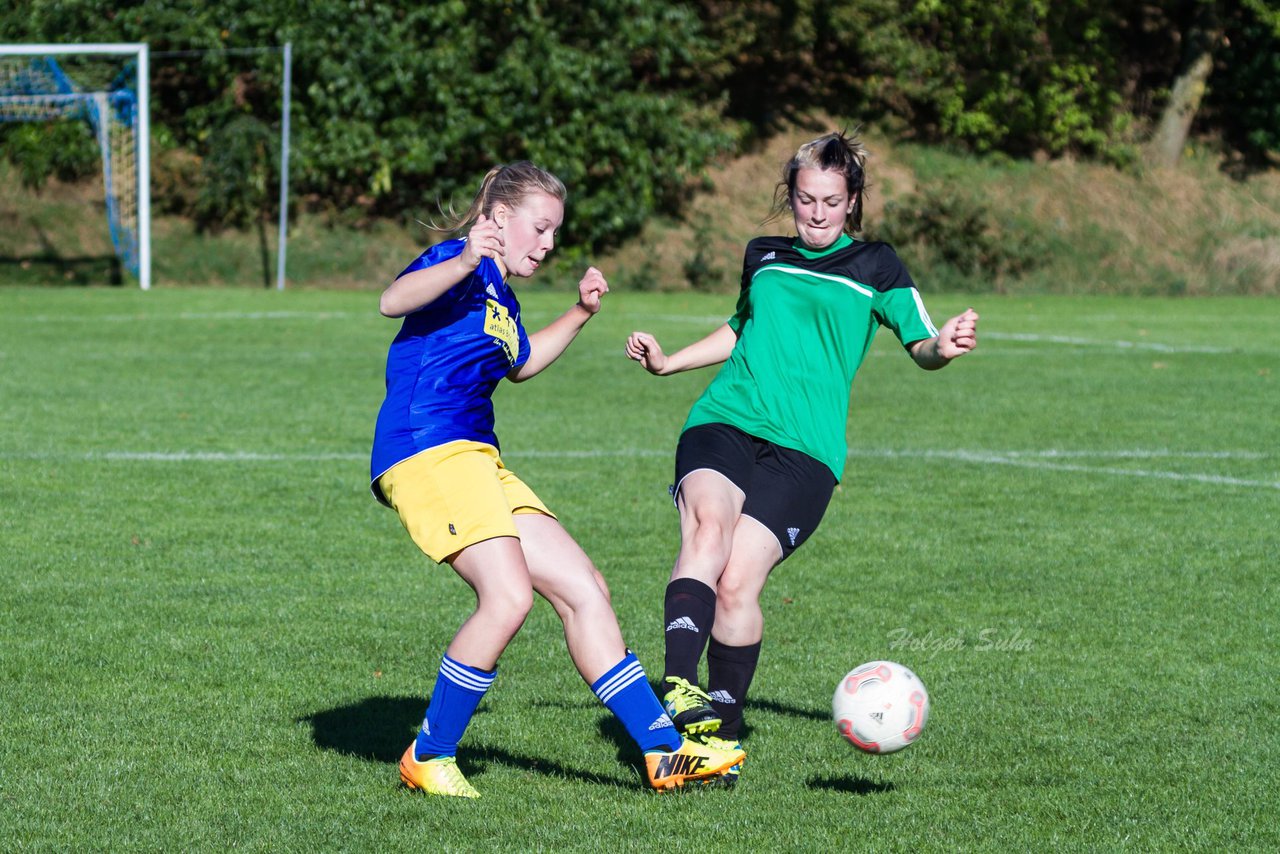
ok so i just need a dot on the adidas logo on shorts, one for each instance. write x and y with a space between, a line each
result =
793 533
682 623
769 256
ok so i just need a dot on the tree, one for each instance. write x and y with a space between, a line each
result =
1204 38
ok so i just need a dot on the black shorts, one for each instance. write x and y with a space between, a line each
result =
786 490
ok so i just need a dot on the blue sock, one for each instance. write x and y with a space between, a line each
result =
625 690
458 691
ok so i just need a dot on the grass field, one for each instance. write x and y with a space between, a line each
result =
213 638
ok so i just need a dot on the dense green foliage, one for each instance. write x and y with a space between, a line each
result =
1019 76
399 106
1016 75
955 237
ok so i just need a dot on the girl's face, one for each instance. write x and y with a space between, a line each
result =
820 203
528 232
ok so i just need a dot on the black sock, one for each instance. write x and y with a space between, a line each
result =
729 672
690 609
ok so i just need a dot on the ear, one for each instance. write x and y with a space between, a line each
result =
500 214
853 200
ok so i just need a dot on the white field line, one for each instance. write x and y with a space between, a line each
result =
194 315
698 320
711 320
1153 346
261 457
1038 460
1042 460
636 320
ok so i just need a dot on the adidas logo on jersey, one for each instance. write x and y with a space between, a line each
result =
491 291
682 623
723 697
769 256
793 533
661 723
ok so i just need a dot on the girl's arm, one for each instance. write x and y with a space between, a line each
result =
420 288
958 336
711 350
546 345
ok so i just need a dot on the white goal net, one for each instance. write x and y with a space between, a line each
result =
104 85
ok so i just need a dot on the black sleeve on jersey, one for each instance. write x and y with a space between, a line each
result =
890 271
756 250
750 259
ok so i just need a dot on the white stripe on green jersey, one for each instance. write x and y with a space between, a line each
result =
805 321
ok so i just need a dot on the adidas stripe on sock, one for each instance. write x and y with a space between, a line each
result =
626 692
459 689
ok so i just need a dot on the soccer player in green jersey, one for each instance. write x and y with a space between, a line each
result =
764 446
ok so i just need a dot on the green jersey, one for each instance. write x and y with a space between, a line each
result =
804 322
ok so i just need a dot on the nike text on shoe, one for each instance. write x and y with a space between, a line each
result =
438 776
689 707
692 761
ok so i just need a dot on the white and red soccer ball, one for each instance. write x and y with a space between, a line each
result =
880 707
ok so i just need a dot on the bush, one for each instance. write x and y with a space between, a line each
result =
956 236
65 150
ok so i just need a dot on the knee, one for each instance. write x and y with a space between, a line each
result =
709 537
581 594
733 594
508 607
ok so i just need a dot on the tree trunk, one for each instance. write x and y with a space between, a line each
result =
1188 90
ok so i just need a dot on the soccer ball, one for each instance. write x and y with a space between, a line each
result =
880 706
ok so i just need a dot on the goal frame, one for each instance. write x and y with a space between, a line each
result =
142 134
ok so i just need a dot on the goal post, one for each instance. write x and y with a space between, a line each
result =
35 87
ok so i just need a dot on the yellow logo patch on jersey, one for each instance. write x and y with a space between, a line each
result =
498 323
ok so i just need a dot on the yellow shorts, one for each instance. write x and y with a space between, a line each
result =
456 495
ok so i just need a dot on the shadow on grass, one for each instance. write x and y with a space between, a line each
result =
850 785
378 729
51 269
790 711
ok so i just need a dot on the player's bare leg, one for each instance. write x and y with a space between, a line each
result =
564 575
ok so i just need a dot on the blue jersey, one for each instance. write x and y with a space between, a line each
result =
445 363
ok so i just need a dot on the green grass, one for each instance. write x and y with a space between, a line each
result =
214 638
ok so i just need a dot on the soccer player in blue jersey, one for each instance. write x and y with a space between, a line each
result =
764 446
436 463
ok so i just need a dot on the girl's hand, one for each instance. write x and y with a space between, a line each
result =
590 289
959 335
483 241
644 348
